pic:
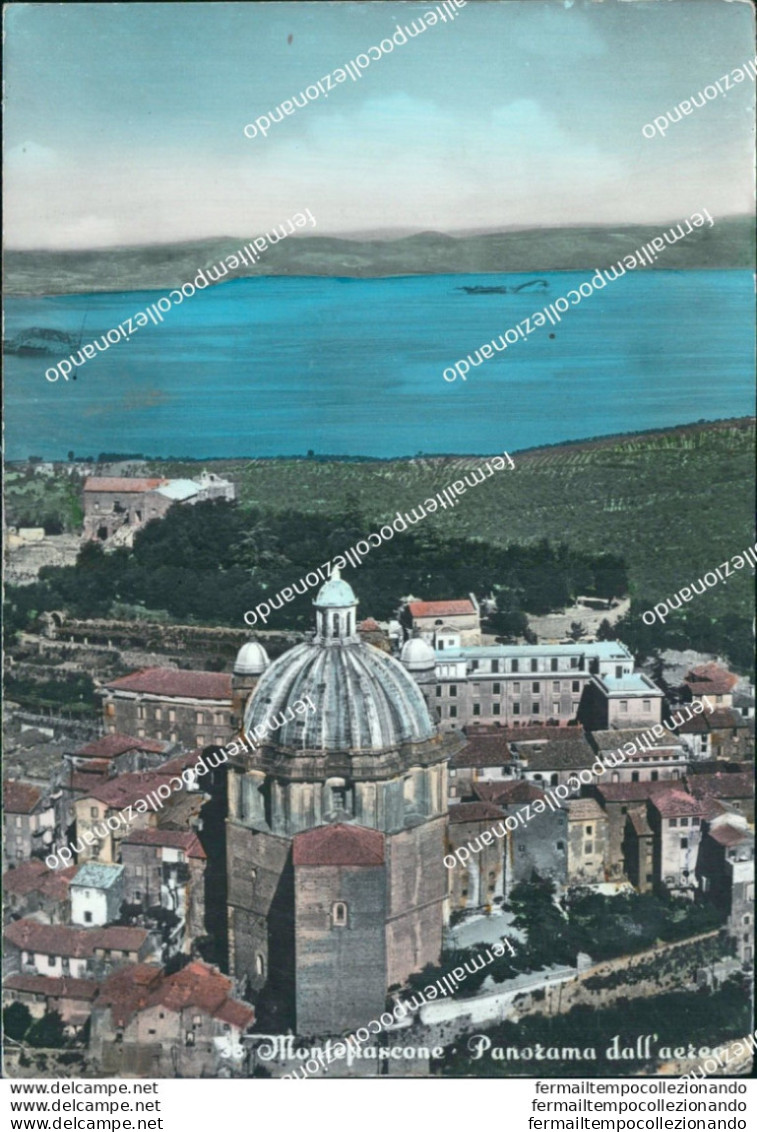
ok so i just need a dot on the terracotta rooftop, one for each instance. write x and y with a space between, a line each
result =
20 797
195 987
585 809
474 811
613 740
339 845
722 785
710 680
729 835
677 803
122 483
539 734
116 744
179 763
638 819
369 626
53 988
34 876
128 990
126 789
560 754
487 749
633 791
75 943
441 608
170 838
507 793
179 682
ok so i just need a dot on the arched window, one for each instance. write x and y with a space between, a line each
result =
336 624
259 965
339 914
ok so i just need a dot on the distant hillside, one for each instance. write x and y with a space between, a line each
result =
674 503
730 243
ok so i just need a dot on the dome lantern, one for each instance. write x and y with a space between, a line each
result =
336 611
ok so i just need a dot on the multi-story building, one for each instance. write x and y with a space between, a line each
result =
726 875
630 699
638 849
32 889
28 821
97 893
129 799
148 1024
480 881
166 869
61 951
520 685
190 707
587 841
656 758
123 504
440 622
618 800
676 820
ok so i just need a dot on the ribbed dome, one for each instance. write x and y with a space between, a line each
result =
418 655
364 699
252 659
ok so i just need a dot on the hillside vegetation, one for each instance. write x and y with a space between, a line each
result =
673 505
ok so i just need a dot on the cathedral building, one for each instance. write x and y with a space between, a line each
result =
336 828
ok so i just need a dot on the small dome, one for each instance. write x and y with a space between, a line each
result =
252 659
336 593
417 655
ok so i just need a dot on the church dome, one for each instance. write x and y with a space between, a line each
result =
417 655
364 699
252 659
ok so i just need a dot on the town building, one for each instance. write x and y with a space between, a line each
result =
149 1024
166 869
40 994
638 849
523 685
485 757
676 819
117 754
432 621
481 880
190 707
129 799
618 800
654 758
62 951
554 761
32 889
735 791
711 681
115 507
726 876
28 821
587 841
336 829
97 893
628 700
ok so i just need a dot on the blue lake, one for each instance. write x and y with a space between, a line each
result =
276 366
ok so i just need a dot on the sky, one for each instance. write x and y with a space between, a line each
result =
124 122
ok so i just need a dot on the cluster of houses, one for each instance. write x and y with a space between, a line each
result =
113 936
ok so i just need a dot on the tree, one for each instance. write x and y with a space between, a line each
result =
47 1032
16 1021
577 630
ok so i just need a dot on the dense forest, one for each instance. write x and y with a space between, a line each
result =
211 562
